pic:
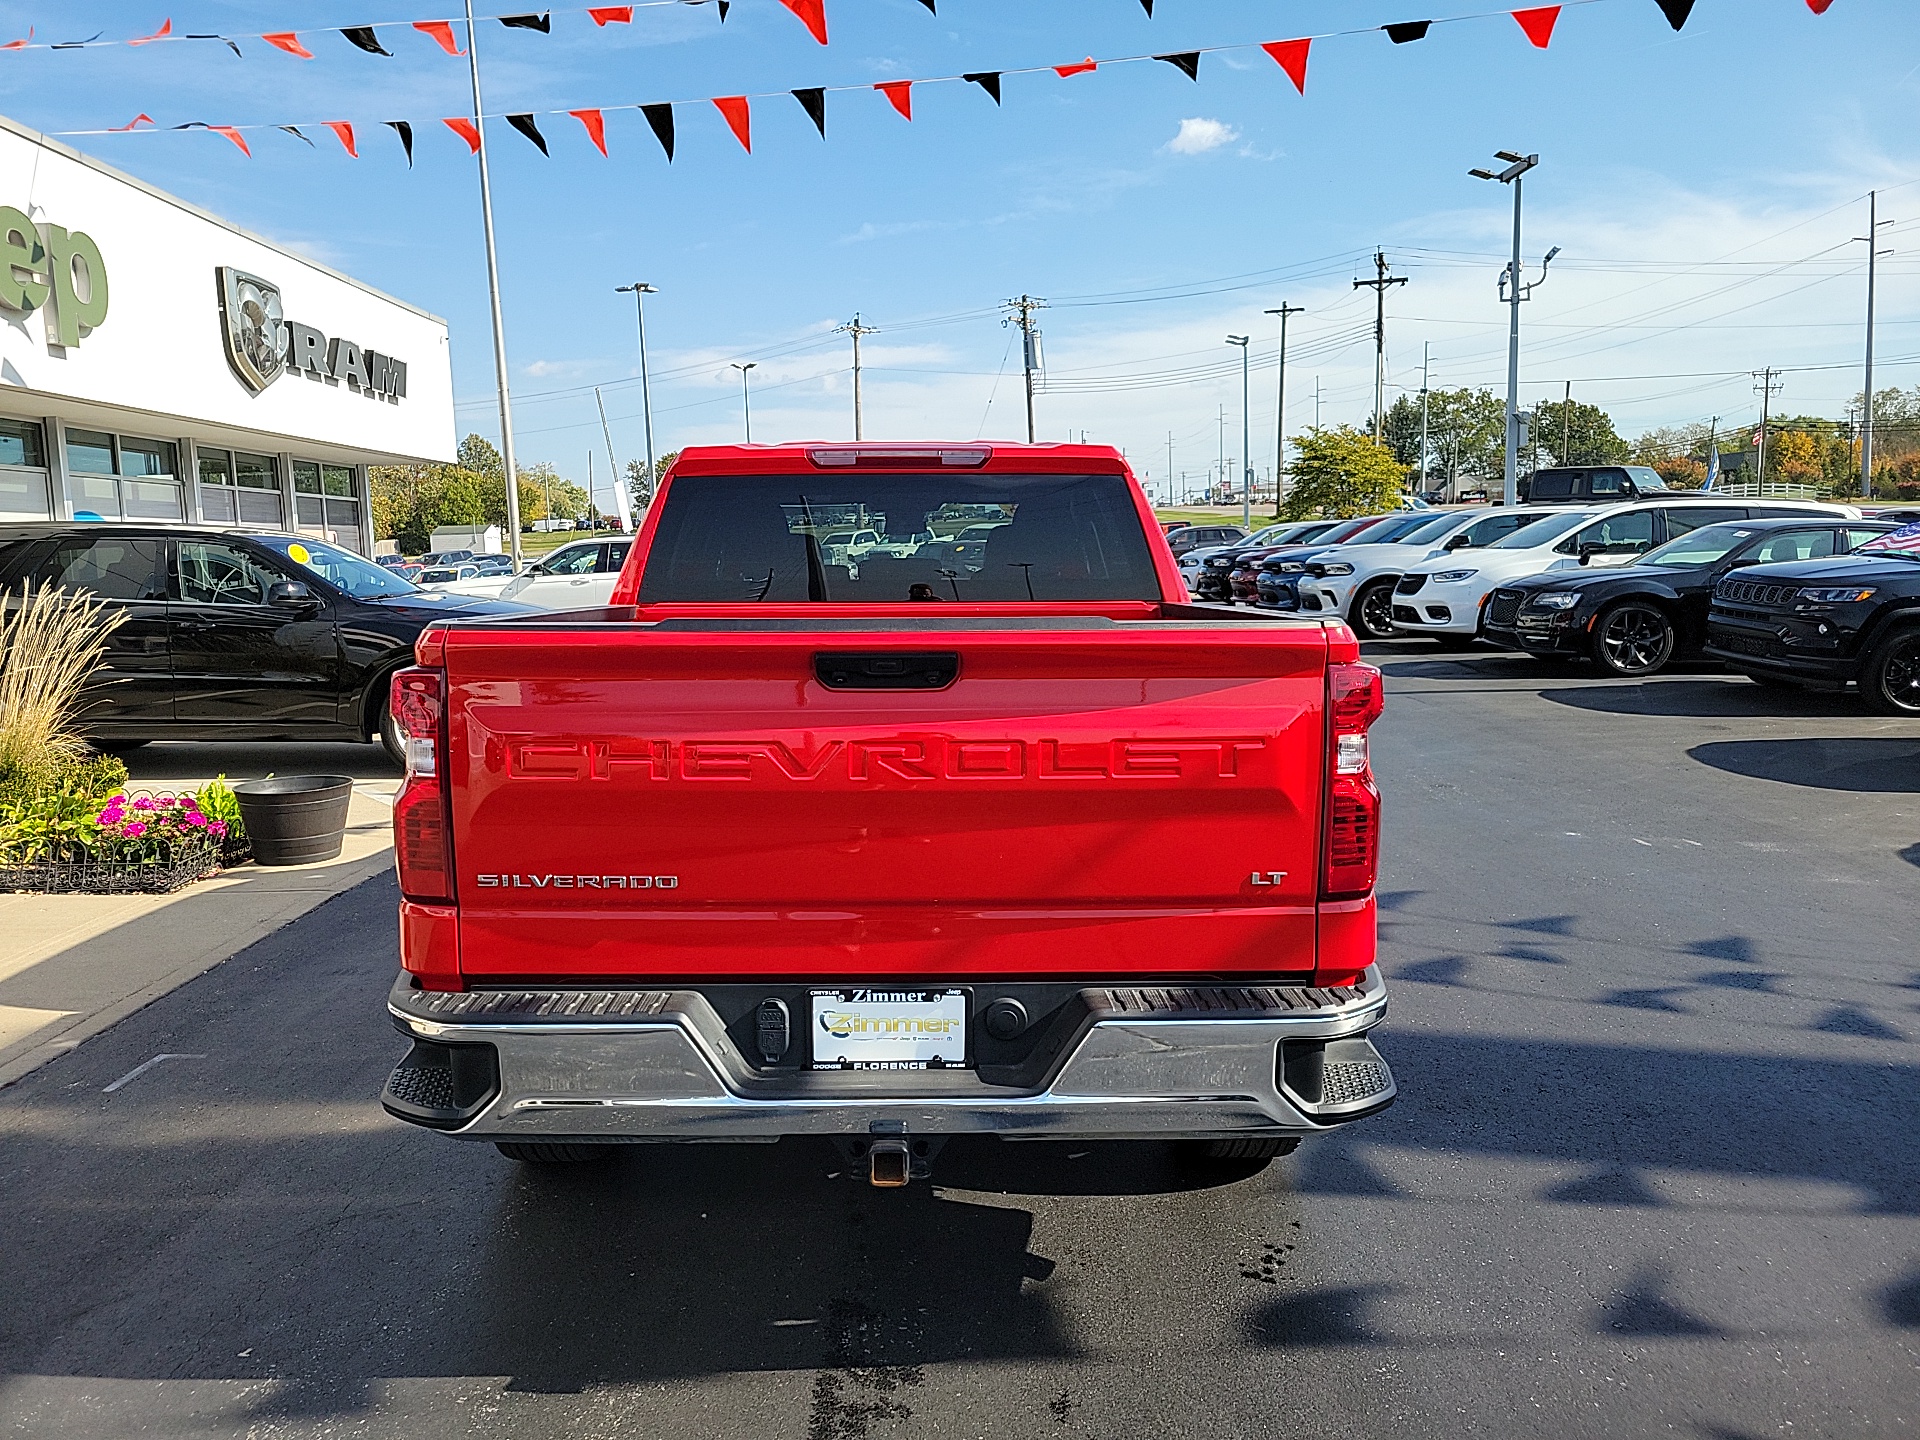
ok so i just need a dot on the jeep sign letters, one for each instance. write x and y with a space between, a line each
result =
262 344
38 260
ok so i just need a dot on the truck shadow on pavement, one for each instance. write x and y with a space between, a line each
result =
1865 766
1705 698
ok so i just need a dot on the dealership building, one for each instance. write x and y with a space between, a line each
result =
160 364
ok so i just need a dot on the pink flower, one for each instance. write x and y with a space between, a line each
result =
219 828
197 820
143 803
135 830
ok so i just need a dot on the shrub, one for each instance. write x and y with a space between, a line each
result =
97 777
50 642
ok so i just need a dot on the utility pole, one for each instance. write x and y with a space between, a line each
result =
640 291
1245 342
621 506
1566 426
1280 406
746 408
493 295
1170 489
1426 364
1514 290
1029 351
1316 402
1223 445
1767 386
1379 285
854 328
1874 222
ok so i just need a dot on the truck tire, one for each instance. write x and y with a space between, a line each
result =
1634 638
1234 1157
1890 680
386 730
531 1153
1371 613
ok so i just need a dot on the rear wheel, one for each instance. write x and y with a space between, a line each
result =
1891 680
528 1153
1372 610
386 728
1633 638
1252 1149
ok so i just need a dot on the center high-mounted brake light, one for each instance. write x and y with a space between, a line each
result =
898 457
1350 862
422 853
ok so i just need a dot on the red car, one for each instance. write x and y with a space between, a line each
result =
889 849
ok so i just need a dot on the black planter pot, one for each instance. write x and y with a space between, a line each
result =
295 819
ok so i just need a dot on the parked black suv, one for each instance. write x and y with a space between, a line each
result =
1591 485
1825 624
233 635
1637 619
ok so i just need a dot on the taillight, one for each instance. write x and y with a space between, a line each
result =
422 851
1350 862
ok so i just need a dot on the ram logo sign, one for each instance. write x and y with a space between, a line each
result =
262 344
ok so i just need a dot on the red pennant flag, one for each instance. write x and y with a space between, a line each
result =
1082 68
1291 56
161 34
900 94
233 135
1538 24
134 122
813 14
1819 7
604 15
466 130
343 129
596 124
442 31
289 42
739 119
19 44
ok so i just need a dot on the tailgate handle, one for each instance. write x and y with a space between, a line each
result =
886 669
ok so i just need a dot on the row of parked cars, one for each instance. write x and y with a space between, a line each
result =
580 573
1792 593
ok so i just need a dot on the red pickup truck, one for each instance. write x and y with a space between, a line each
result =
994 835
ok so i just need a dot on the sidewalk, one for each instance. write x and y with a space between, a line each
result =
73 965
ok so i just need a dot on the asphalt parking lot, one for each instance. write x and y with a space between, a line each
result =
1654 1170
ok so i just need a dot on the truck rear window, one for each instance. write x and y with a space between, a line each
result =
888 538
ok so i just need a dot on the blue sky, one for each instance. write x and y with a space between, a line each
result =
1702 188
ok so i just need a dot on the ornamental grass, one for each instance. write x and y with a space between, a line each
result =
50 642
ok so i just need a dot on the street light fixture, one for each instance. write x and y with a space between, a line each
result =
1246 434
1513 290
640 291
746 412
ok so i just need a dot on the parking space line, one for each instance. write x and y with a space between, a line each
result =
139 1070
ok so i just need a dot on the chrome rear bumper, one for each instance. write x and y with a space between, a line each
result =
657 1065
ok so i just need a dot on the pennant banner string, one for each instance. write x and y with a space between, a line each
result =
1290 54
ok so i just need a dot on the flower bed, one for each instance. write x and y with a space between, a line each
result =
114 877
66 837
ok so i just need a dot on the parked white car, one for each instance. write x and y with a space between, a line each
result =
1356 581
577 576
1446 598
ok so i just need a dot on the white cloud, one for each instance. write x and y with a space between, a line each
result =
1198 135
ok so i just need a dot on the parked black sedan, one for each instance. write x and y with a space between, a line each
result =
1826 624
231 635
1637 619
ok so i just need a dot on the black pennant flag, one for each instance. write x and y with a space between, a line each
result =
660 117
1147 5
542 22
1407 31
363 36
294 130
524 124
929 5
77 44
814 102
1676 11
987 80
404 129
725 5
1187 62
223 40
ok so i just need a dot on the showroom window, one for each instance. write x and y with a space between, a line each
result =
326 499
23 470
119 477
237 488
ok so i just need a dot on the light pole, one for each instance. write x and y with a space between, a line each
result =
1513 290
1280 406
493 295
640 291
746 410
1872 237
1246 434
1426 365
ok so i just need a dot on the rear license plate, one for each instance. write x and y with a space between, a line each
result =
889 1029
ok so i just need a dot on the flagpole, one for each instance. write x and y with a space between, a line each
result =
493 295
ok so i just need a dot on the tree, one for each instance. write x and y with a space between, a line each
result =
1466 434
478 455
1340 473
1585 432
641 484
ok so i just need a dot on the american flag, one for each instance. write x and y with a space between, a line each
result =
1904 541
